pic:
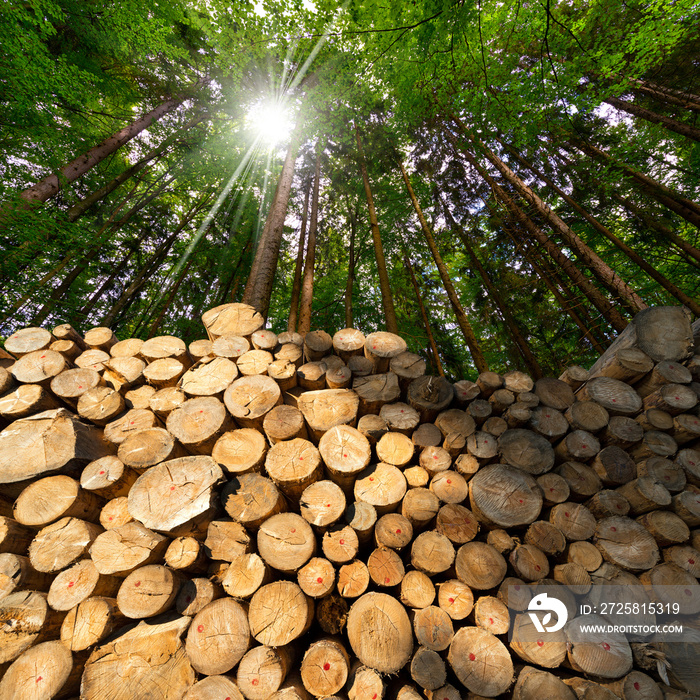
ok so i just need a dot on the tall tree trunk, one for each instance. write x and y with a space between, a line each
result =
657 226
169 299
298 267
424 317
631 254
508 318
79 208
97 295
462 320
601 270
85 261
685 100
607 310
259 288
686 130
352 217
152 263
228 293
685 208
307 283
387 299
50 185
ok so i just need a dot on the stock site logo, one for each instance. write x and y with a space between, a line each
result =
544 603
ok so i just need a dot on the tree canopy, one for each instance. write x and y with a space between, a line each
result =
553 149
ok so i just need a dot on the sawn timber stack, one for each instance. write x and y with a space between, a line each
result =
257 516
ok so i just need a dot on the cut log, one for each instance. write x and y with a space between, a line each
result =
348 342
465 392
376 390
26 620
396 449
93 359
361 517
577 446
480 661
196 594
124 373
689 460
614 466
322 503
18 574
417 590
601 654
500 400
240 451
548 422
616 397
400 417
284 373
117 552
585 555
146 448
517 415
186 554
39 367
317 577
549 538
687 506
130 347
163 346
492 615
381 485
534 683
61 544
429 396
364 682
526 450
115 513
574 520
235 319
686 427
626 544
380 632
47 670
317 344
672 398
606 503
622 431
420 506
210 378
501 541
407 366
79 582
346 453
488 382
666 528
544 649
286 542
254 362
353 579
67 348
340 544
325 667
107 477
293 465
23 446
164 373
480 566
554 393
455 598
457 523
428 669
504 496
27 340
666 472
149 591
291 353
89 622
26 400
655 419
262 671
416 477
126 667
480 411
250 499
249 399
279 613
284 423
100 405
230 347
54 497
360 366
328 408
381 347
555 488
529 562
174 493
665 372
199 423
212 688
226 540
385 567
582 481
645 494
131 422
100 338
587 415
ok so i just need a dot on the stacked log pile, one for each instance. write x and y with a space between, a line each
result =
259 516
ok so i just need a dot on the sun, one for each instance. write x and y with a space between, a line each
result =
270 121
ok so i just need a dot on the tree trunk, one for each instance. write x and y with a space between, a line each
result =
424 316
462 320
685 208
387 300
512 325
296 285
85 261
631 254
307 284
78 209
608 311
663 94
152 263
601 270
169 300
352 216
686 130
50 185
259 287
